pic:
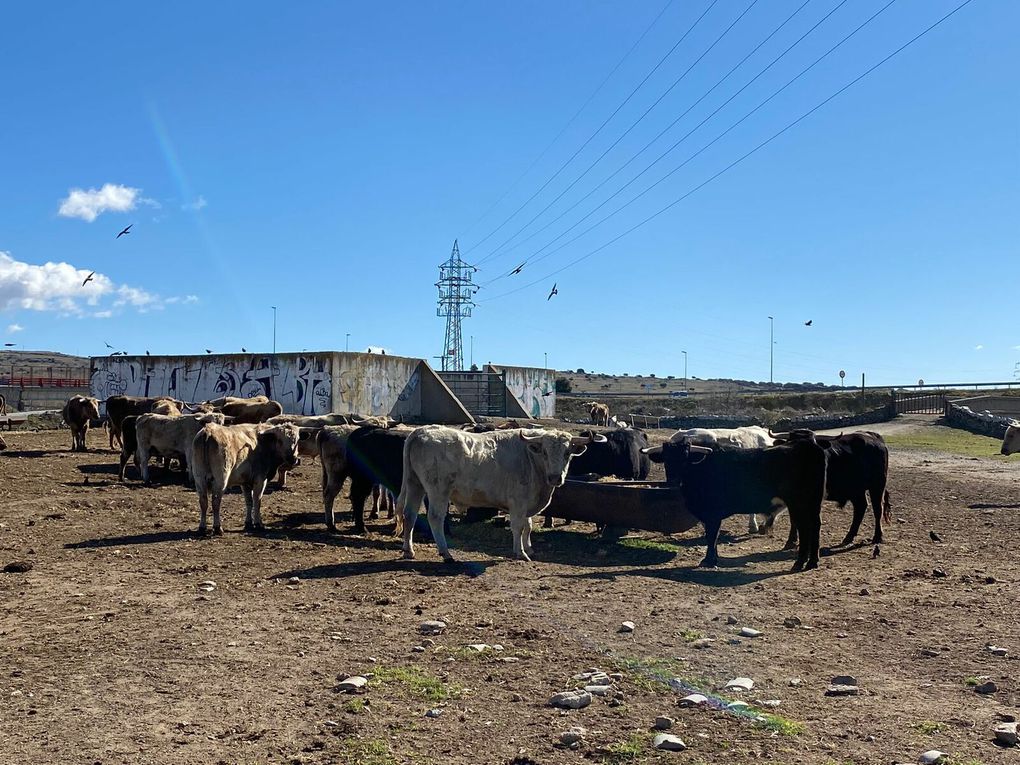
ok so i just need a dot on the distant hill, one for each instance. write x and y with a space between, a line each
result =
583 384
42 364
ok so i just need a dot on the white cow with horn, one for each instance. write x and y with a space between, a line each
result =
512 470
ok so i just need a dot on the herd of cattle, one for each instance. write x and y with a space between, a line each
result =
231 442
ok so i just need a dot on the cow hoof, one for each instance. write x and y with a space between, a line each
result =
706 563
407 555
798 566
811 565
218 531
449 559
248 526
790 546
877 539
359 531
202 531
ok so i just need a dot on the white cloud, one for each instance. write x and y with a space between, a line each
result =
978 347
112 197
187 300
61 287
195 206
12 328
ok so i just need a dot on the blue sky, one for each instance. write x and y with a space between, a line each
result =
322 157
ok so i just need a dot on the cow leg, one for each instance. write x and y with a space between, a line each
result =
809 524
281 476
359 493
217 527
880 507
203 509
752 523
517 526
390 503
143 463
123 464
376 491
860 504
791 540
256 502
408 503
437 515
331 486
249 523
712 527
526 537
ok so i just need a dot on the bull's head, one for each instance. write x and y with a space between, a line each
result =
281 441
550 451
675 455
1011 440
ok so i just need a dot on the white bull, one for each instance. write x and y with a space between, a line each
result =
169 437
747 437
511 470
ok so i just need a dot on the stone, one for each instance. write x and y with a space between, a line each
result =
18 567
791 621
433 713
996 650
478 647
599 678
702 643
749 632
737 705
844 680
731 619
664 723
597 690
932 757
668 742
626 627
419 649
693 700
740 683
207 586
571 700
428 643
352 684
986 688
928 653
772 703
573 736
795 681
432 627
294 580
842 690
1006 733
939 573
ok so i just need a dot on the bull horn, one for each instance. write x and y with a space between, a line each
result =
695 449
651 450
529 438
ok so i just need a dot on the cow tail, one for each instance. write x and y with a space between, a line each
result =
886 507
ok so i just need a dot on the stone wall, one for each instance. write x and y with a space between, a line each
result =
986 423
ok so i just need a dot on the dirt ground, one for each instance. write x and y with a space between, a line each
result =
111 653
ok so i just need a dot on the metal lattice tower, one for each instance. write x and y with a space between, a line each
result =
456 291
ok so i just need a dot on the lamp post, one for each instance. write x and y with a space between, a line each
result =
685 368
472 351
347 343
546 367
772 345
274 328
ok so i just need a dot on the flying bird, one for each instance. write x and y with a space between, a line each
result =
934 537
518 269
108 345
147 353
207 350
9 345
243 349
808 322
88 278
125 231
554 292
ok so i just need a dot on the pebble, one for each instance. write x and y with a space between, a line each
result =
842 635
664 723
571 700
478 647
1006 733
668 742
207 586
773 703
573 736
352 684
932 757
693 700
419 649
939 573
597 690
432 627
791 621
736 705
749 632
436 712
599 678
842 690
702 643
795 681
18 567
928 653
626 627
865 591
844 680
741 683
731 619
429 643
996 650
986 688
294 580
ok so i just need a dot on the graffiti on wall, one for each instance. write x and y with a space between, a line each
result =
300 383
533 388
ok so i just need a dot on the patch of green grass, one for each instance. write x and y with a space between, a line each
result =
970 682
631 750
950 440
928 727
355 706
638 543
366 752
651 673
418 682
689 636
779 724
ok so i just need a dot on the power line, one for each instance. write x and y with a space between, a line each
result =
668 127
740 159
572 119
626 132
599 129
534 256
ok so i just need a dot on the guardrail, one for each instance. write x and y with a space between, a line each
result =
44 382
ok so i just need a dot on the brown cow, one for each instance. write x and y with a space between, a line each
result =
3 404
308 446
119 407
78 413
248 410
598 413
332 442
239 455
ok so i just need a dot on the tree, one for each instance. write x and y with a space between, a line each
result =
563 385
580 371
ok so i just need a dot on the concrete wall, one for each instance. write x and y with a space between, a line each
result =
534 390
304 383
1003 406
33 399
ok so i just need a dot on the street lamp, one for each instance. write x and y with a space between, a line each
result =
472 351
347 343
274 328
685 368
546 361
772 344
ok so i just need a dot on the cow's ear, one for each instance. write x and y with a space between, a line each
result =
535 446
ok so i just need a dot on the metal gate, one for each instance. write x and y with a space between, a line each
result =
483 394
920 403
